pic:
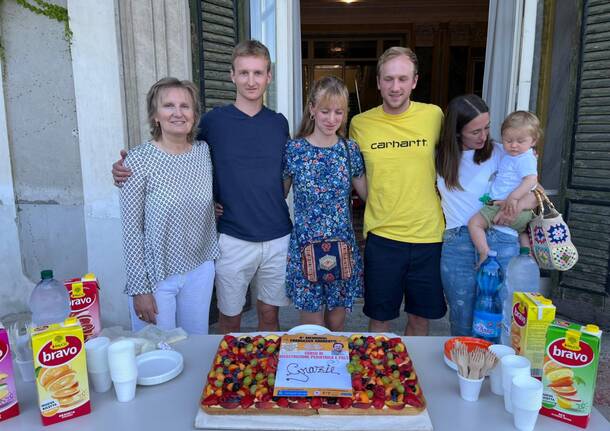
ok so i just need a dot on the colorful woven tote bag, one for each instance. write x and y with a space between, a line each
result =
550 237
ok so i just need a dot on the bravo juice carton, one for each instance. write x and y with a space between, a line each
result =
85 303
570 372
9 406
60 365
532 315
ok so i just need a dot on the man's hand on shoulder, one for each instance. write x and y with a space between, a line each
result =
120 173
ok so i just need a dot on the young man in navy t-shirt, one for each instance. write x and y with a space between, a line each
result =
247 143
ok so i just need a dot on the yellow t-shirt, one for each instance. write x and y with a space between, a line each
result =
398 152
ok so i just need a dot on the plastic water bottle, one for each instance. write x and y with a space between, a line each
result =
49 301
487 319
522 275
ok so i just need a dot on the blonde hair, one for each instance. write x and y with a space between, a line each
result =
396 51
152 104
523 120
250 48
322 93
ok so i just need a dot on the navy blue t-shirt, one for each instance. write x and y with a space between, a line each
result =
247 154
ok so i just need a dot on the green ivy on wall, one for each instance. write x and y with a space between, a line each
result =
50 10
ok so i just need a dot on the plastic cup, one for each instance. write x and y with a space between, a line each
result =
122 361
470 388
100 382
97 354
512 366
26 370
495 375
125 391
524 420
526 393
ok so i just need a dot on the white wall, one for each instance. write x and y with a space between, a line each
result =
14 286
41 221
96 65
63 121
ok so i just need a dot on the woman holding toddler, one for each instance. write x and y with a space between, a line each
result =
466 163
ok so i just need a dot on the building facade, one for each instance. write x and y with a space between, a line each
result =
67 111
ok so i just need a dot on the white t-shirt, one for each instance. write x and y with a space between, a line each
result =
460 205
511 171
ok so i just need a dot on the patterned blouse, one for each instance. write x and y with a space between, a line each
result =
167 213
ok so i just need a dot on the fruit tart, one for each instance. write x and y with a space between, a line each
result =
242 380
383 380
242 377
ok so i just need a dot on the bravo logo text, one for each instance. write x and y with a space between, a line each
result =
3 350
570 358
81 298
519 314
59 351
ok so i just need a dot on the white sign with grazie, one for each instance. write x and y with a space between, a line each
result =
313 366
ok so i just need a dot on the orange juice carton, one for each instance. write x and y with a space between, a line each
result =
570 372
85 303
60 364
532 315
9 406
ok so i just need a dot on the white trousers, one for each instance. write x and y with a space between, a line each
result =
183 300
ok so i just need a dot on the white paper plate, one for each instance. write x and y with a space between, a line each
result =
450 363
309 329
158 366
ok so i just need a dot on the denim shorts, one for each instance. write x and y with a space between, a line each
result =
458 260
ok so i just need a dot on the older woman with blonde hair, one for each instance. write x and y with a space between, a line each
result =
167 213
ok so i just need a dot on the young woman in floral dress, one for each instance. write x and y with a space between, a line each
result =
323 166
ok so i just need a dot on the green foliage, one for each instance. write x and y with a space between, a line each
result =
50 10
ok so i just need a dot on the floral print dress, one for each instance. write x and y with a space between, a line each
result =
321 186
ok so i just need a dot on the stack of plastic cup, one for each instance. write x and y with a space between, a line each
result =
97 363
512 366
495 376
123 369
526 400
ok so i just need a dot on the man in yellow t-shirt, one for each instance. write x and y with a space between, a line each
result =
403 220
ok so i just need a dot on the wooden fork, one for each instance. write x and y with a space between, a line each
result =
476 362
491 360
459 355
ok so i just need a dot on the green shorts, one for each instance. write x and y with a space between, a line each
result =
520 224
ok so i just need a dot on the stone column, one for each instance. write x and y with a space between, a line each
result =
98 88
156 42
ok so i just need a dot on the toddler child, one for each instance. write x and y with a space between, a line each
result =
516 176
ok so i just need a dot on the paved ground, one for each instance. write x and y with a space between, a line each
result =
357 322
